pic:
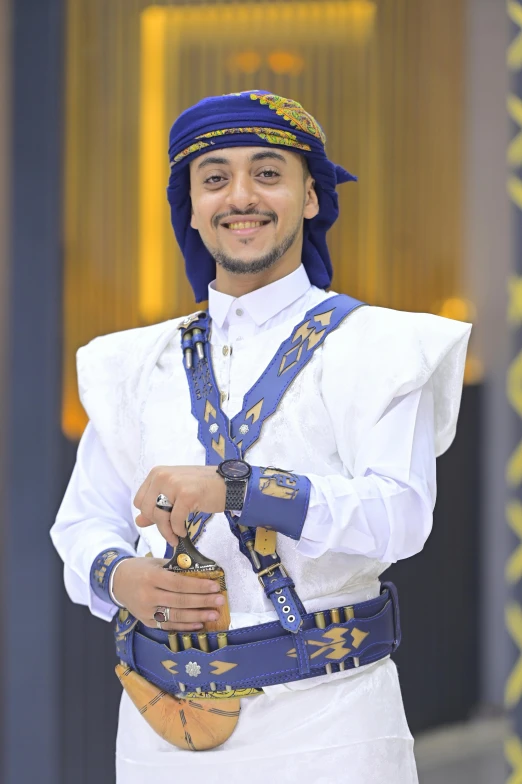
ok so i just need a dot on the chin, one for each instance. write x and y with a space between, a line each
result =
246 255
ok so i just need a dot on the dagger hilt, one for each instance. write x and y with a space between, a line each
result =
188 560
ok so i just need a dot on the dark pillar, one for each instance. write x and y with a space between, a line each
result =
30 579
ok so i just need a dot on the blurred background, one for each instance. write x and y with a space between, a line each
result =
422 99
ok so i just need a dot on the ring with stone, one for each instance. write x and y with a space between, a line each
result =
162 502
162 614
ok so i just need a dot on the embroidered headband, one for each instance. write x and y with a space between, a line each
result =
252 118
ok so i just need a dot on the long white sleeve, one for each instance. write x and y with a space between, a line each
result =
385 510
95 515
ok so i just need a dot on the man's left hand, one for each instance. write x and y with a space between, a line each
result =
189 488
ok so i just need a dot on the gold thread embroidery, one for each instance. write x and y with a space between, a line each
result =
293 113
270 135
279 484
188 150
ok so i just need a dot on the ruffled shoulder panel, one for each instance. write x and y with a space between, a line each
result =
379 354
111 370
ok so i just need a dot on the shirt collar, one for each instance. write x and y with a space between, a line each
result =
261 304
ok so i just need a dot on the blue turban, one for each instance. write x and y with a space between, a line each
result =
255 119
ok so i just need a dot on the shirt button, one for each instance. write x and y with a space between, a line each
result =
239 312
225 351
240 338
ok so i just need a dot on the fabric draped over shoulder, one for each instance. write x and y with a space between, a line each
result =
253 118
112 370
374 357
379 355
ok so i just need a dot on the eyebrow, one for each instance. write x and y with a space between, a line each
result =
216 160
259 156
213 160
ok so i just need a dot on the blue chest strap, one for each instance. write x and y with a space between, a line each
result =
225 439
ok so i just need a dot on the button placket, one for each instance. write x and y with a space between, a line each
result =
224 395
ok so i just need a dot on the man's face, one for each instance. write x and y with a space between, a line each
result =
248 205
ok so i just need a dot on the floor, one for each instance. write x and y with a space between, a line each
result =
463 754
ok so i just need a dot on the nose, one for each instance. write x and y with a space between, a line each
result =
241 194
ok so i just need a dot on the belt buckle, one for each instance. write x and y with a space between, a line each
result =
269 570
394 599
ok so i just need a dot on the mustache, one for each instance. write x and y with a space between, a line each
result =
243 214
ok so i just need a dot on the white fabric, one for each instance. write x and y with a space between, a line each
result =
364 420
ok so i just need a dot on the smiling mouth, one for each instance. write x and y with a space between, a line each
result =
239 225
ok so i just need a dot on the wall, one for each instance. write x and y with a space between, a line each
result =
487 255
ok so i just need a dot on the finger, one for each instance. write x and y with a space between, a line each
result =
140 495
183 583
164 528
178 627
178 615
178 519
162 482
187 601
143 522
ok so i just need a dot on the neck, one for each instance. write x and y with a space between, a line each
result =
238 285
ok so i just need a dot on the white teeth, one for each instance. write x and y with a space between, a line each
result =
245 225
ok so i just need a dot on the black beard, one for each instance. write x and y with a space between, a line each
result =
238 267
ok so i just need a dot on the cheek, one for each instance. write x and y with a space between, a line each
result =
287 208
207 207
201 215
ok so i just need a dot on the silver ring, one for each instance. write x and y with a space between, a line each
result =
162 615
162 502
158 625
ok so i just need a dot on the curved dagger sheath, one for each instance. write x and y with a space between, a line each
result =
191 723
188 560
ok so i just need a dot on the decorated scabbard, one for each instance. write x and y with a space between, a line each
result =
187 721
188 560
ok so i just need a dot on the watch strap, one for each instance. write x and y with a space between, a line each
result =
235 494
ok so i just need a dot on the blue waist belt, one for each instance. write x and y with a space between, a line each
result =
257 656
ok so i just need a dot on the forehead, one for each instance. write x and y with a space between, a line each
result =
242 156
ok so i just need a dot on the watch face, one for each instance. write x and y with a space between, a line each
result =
235 469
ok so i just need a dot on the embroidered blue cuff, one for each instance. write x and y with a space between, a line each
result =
101 570
277 500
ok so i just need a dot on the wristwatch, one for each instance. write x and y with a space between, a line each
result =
236 474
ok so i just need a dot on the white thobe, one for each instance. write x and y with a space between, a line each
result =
364 421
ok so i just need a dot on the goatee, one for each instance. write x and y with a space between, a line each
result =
238 267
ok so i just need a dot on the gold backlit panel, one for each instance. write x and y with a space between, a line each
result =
370 72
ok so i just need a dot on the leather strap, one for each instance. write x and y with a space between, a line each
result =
224 439
263 655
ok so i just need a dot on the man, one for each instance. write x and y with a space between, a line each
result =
373 400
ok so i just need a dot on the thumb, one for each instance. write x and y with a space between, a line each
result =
143 522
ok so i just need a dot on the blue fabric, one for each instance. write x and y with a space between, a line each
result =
276 499
101 571
265 120
266 654
233 438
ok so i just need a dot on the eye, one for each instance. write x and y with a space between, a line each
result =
268 174
214 179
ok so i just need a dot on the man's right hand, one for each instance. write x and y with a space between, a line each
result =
142 585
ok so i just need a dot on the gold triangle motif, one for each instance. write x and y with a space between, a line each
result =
324 318
255 411
210 411
358 637
170 666
219 446
221 667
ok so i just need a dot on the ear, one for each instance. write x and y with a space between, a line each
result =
193 221
311 207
